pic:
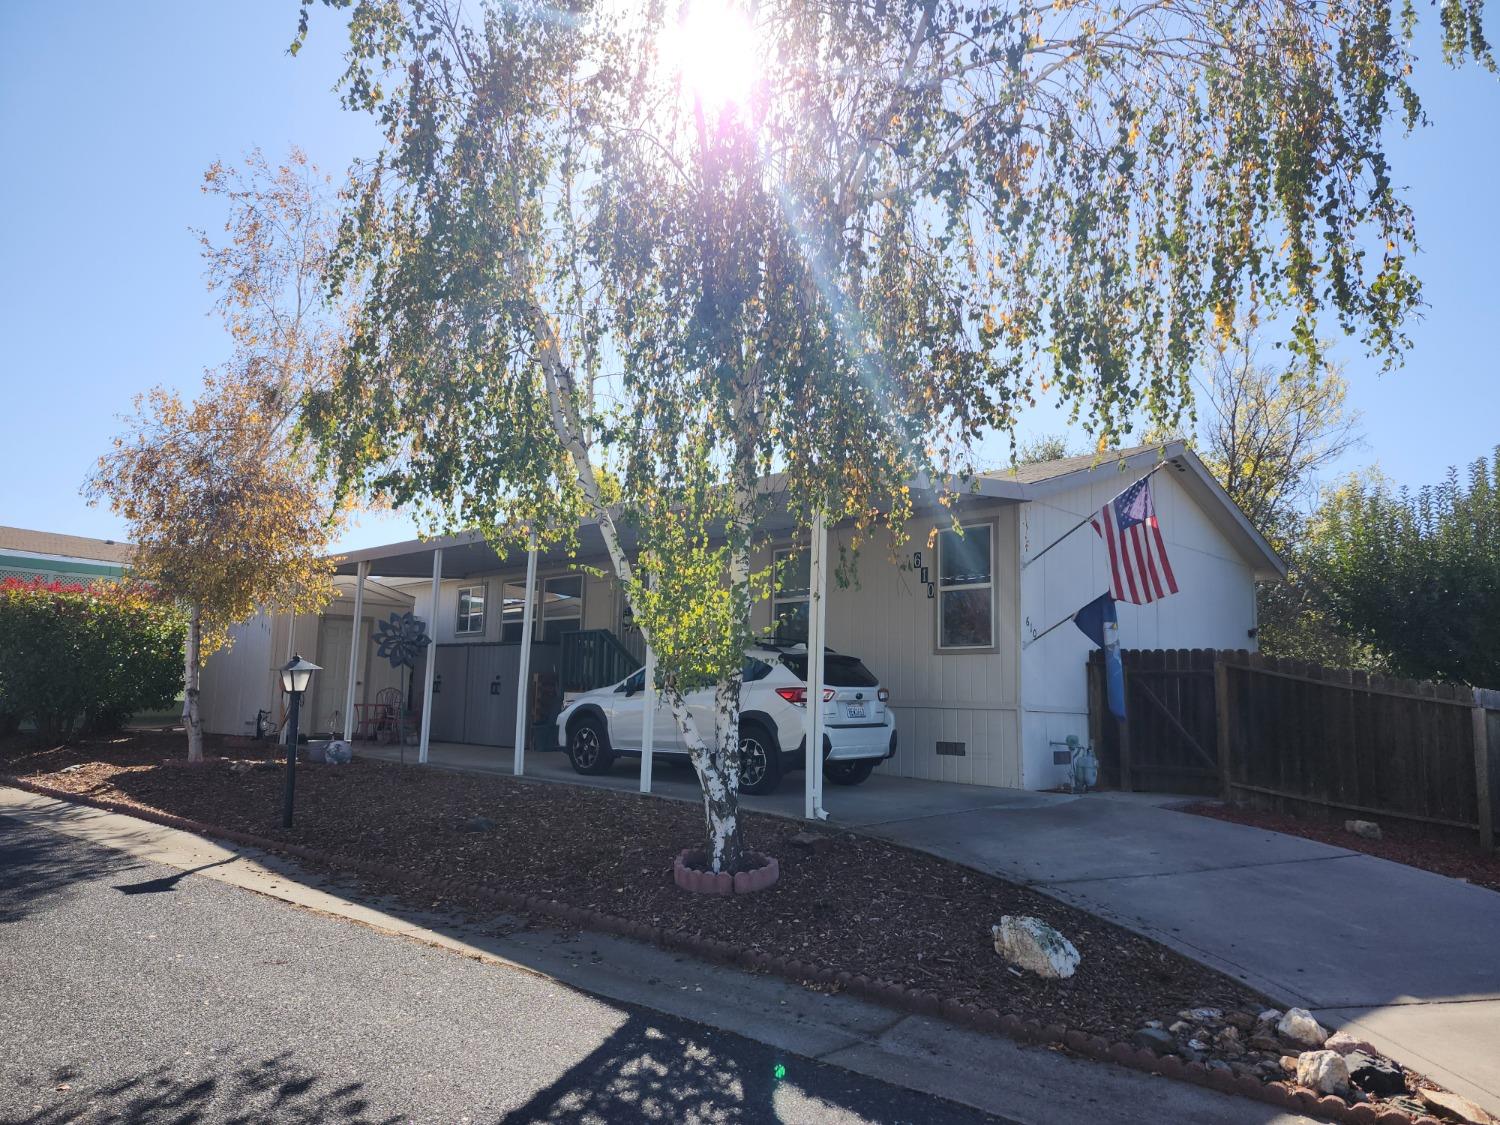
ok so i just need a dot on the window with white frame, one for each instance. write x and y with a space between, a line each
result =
790 582
470 610
966 588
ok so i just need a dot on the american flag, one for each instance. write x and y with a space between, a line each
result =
1138 566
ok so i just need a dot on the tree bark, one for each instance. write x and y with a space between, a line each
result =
191 719
721 805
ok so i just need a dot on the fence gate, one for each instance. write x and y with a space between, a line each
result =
1169 743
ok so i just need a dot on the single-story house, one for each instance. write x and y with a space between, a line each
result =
52 557
952 624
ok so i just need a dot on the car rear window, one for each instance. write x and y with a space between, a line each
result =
838 671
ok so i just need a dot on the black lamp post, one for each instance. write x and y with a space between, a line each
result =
295 676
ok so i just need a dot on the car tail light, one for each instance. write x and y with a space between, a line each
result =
798 695
883 695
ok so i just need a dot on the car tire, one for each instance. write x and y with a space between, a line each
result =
588 747
851 772
760 760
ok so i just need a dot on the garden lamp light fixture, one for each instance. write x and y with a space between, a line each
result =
296 675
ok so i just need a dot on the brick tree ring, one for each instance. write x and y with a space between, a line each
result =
690 872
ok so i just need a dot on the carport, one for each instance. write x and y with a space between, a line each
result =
507 674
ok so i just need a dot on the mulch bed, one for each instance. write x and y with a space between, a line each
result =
1400 842
852 904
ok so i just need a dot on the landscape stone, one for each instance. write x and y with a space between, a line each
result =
1343 1043
1298 1026
1154 1039
1270 1015
1366 828
1033 945
1323 1071
1181 1027
1202 1015
1242 1020
1454 1107
1265 1043
1375 1074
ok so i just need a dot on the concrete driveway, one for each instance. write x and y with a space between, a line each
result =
1411 958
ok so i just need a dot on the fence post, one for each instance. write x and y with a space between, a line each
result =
1482 773
1221 719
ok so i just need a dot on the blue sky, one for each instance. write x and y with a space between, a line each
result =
110 112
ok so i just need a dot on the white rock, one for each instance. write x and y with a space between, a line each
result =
1035 946
1323 1071
1366 828
1298 1026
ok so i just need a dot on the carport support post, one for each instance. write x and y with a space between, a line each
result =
361 572
431 666
528 619
817 597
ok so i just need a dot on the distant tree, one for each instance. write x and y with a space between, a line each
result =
1044 447
1266 432
226 511
1417 575
699 242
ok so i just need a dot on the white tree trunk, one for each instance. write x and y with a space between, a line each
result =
191 718
720 785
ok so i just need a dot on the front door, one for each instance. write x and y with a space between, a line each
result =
324 708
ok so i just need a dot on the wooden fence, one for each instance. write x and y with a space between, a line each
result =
1266 731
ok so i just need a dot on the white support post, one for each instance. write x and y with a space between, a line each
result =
431 667
528 620
362 571
816 619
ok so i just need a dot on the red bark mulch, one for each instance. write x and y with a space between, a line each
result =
1401 842
856 904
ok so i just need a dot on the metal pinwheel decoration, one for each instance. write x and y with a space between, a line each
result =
401 639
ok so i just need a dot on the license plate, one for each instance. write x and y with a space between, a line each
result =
855 711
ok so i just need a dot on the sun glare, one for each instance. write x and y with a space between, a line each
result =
712 48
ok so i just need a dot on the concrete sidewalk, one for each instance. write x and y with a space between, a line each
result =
930 1057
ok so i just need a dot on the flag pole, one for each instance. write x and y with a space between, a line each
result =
1027 562
1048 629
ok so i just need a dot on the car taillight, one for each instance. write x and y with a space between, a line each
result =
798 695
883 695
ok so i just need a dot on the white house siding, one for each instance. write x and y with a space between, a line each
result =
887 620
1215 608
235 684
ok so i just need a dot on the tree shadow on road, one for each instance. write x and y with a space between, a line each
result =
272 1089
40 868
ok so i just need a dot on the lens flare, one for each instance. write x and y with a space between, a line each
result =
712 47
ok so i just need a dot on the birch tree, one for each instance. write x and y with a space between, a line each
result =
227 512
694 244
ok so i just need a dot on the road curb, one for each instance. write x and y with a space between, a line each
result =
916 1001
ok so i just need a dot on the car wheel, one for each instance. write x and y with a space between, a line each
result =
849 772
588 747
760 760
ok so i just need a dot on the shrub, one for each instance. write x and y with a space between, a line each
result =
74 655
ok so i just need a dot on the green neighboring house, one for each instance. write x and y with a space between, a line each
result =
27 554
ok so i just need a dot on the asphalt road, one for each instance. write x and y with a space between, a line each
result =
130 992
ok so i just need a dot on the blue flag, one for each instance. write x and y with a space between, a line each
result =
1100 624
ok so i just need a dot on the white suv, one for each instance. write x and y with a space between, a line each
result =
859 730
